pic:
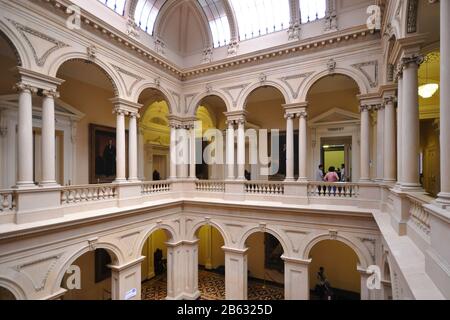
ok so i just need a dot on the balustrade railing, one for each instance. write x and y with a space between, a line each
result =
7 201
266 188
153 187
210 186
419 216
333 190
88 193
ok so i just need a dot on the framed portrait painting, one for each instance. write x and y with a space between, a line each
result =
102 154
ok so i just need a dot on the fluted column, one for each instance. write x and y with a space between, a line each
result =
289 146
302 146
192 158
120 145
380 142
444 195
48 139
132 148
365 143
410 124
25 136
389 141
241 149
230 150
173 151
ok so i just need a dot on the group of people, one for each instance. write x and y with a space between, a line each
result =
332 175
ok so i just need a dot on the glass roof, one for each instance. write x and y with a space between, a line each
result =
311 10
146 14
116 5
218 21
259 17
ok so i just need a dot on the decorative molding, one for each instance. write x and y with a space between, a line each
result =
178 100
207 56
122 72
187 101
235 89
132 28
362 67
41 58
370 244
39 270
331 66
291 81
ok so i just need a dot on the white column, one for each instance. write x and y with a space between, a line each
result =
296 279
183 134
192 158
48 139
235 274
380 142
173 152
365 143
120 146
175 276
190 250
132 148
230 150
126 281
389 141
141 155
411 124
25 137
241 149
444 195
289 147
302 147
399 127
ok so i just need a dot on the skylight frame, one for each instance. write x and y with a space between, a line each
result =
276 17
118 6
312 10
146 14
218 21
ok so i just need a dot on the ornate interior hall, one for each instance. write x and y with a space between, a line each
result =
224 149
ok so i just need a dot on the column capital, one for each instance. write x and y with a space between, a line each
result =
389 100
51 94
236 116
125 105
302 114
295 108
235 250
120 111
38 80
289 116
366 107
414 59
21 87
296 260
175 122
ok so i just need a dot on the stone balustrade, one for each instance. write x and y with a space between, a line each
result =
88 193
149 188
419 216
210 186
336 190
264 188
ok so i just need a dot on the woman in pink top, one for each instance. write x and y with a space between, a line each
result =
331 176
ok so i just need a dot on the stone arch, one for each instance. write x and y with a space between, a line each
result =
16 45
114 251
171 234
386 260
360 80
218 226
148 85
279 236
357 246
242 101
193 106
109 72
14 288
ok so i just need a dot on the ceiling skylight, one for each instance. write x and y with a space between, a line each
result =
218 21
311 10
259 17
116 5
146 14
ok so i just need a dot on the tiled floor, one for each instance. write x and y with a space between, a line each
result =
212 287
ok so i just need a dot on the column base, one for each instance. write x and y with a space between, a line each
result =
365 180
289 179
302 179
25 185
120 181
405 187
134 180
443 200
49 184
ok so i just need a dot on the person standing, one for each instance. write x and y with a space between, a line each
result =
343 173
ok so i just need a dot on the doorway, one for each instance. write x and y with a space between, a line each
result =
335 152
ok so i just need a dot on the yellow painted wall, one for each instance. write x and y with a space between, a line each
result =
334 158
340 263
256 255
210 247
430 148
89 289
157 240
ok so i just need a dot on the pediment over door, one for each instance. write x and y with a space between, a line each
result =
334 116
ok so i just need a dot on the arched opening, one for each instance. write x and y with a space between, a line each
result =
6 295
265 267
265 110
334 122
210 142
87 91
333 272
89 277
211 263
429 113
154 136
155 267
386 282
8 113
